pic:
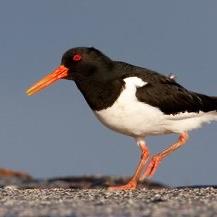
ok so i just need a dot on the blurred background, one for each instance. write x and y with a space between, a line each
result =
54 133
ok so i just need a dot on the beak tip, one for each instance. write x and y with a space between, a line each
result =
28 92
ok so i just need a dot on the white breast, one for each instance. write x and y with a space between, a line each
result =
129 116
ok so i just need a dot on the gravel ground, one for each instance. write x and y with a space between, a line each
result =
100 202
152 200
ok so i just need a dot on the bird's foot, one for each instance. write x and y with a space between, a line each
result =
131 185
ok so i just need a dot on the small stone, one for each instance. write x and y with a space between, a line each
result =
157 198
11 187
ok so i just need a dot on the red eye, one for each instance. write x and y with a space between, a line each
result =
77 57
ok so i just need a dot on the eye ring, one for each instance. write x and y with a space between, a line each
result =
76 57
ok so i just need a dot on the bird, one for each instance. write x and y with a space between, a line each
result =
134 101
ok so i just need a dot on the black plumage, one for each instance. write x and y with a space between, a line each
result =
100 80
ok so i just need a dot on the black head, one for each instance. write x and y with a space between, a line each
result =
87 63
79 64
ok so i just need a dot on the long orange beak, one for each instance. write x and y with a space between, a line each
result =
58 73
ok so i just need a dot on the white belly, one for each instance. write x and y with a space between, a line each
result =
138 119
131 117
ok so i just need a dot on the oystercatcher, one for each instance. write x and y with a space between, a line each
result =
134 101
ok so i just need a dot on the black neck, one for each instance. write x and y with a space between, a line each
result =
100 95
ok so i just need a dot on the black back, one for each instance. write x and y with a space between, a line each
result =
100 80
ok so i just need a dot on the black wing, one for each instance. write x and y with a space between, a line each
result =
172 98
166 94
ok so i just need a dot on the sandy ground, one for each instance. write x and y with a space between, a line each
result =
87 196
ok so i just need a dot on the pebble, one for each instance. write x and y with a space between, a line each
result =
100 202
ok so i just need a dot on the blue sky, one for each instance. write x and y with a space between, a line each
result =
55 133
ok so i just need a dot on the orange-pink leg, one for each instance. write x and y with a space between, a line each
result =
134 180
156 159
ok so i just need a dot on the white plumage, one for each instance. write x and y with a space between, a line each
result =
129 116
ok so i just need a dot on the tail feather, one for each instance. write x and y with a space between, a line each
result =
208 103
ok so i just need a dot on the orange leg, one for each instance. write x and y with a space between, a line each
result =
134 180
156 159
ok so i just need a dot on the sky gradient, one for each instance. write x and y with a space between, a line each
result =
54 133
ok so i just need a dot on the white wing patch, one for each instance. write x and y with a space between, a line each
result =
134 82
